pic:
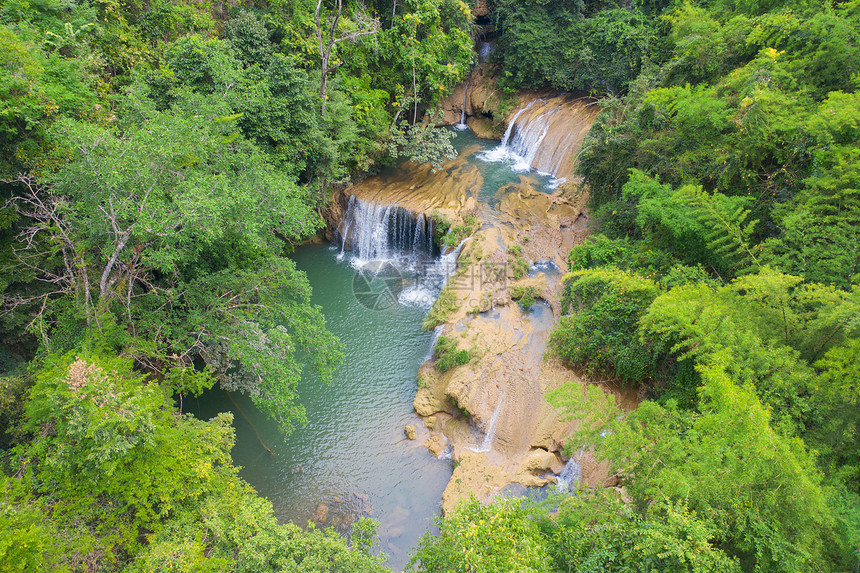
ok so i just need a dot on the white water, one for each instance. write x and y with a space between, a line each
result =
431 279
571 474
374 232
462 125
490 432
526 145
504 152
375 235
437 332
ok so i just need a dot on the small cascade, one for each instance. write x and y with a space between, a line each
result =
462 125
433 277
507 136
343 228
484 50
571 474
546 135
384 233
437 332
490 432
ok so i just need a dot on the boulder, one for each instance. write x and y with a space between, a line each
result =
410 431
321 514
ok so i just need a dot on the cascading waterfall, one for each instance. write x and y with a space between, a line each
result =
490 432
384 233
427 286
390 234
545 136
571 474
343 228
437 332
462 125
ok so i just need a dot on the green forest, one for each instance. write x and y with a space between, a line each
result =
160 160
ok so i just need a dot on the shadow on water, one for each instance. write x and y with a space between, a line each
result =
352 459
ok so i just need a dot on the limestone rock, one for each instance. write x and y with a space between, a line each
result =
410 431
540 460
321 514
481 9
485 128
435 444
427 404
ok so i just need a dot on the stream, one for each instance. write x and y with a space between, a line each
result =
353 458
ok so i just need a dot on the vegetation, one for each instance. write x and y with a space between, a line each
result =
463 230
526 295
160 161
517 264
445 304
448 355
722 282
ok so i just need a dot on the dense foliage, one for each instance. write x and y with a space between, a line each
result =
722 282
159 161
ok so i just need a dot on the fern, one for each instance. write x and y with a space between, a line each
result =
727 227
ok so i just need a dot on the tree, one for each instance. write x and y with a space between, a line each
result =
364 24
480 538
166 236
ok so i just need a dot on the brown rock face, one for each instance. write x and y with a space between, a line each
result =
481 9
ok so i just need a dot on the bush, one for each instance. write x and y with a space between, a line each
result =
601 333
459 232
443 306
447 354
526 295
519 265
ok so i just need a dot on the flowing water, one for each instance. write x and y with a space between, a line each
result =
374 288
353 456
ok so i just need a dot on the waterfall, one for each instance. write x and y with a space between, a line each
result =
462 125
571 474
345 223
484 50
545 136
490 432
390 234
437 332
430 282
507 136
384 232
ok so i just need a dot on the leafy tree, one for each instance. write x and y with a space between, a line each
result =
115 480
601 334
759 490
479 538
176 226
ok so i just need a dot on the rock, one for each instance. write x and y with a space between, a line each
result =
410 432
485 128
540 461
321 514
435 445
531 480
481 10
431 422
426 403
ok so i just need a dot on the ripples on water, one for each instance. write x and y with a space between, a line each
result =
353 456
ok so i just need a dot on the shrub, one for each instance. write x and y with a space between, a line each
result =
447 354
